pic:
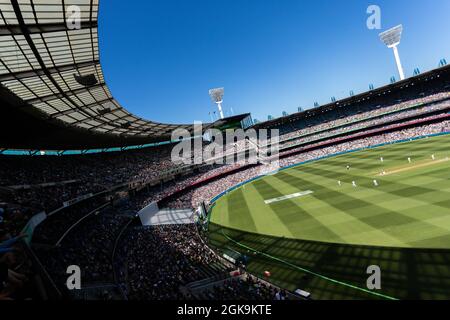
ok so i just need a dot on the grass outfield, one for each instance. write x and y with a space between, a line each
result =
324 240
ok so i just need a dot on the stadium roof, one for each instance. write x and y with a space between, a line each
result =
54 72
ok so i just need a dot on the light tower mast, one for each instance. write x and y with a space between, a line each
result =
217 97
391 38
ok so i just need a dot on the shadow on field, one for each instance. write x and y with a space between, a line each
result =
405 273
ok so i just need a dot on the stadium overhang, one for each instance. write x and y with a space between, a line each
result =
52 89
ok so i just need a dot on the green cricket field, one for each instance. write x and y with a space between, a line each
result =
318 226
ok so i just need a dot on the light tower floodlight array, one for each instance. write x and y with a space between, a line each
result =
391 38
217 97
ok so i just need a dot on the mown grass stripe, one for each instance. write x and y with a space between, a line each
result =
309 271
237 205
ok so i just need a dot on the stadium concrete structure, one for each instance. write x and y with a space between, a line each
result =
365 182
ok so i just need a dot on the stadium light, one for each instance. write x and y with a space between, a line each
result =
391 38
217 97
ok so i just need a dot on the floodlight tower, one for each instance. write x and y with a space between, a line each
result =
391 38
217 97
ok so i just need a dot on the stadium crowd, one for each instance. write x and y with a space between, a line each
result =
50 232
89 246
151 262
45 183
420 113
118 255
15 268
247 288
330 121
57 224
160 260
195 197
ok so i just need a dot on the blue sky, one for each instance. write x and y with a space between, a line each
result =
160 57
